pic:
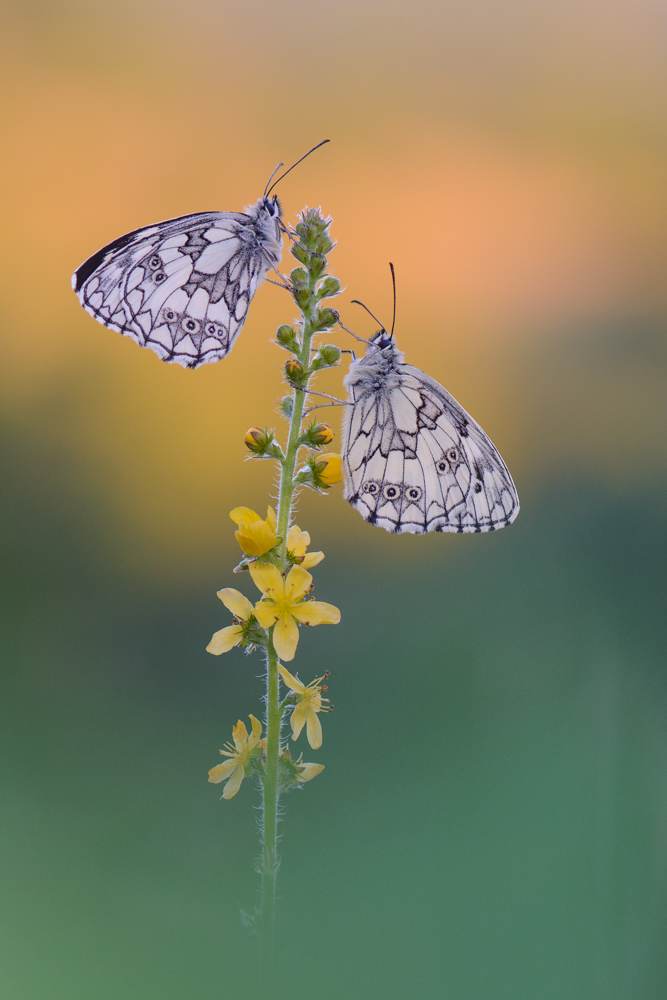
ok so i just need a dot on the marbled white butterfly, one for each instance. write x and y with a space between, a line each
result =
413 459
183 287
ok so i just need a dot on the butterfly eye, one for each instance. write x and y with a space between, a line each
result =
169 315
191 325
155 262
414 493
391 492
211 329
477 487
159 276
371 488
453 455
441 466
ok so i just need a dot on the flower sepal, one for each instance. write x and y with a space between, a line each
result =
316 435
320 471
261 443
294 773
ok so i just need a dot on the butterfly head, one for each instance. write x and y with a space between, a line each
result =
381 340
272 207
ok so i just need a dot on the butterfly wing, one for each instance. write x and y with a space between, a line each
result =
415 461
181 287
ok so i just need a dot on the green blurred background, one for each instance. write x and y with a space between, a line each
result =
491 822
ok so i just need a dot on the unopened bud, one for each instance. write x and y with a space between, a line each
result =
256 440
326 318
294 371
299 278
300 253
329 353
286 336
328 287
287 406
329 469
260 442
322 434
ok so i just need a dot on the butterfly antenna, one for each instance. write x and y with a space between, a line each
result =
271 178
358 303
268 189
393 281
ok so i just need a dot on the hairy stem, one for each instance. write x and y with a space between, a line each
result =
274 710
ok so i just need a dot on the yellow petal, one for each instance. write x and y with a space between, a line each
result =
312 559
256 730
286 637
271 519
298 719
266 613
316 613
240 514
332 472
221 771
314 730
234 783
309 771
255 537
225 639
290 680
268 579
240 735
297 541
236 602
297 584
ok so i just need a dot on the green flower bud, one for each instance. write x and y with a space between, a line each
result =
317 266
325 319
287 406
328 288
300 253
327 356
285 335
299 278
324 244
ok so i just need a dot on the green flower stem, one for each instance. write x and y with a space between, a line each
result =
274 714
269 865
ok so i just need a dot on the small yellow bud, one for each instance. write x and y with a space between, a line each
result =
322 434
293 370
329 468
255 439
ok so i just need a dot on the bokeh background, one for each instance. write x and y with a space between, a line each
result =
491 821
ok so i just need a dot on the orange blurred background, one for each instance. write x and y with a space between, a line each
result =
509 159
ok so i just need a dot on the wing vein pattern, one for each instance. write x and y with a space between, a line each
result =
413 459
183 287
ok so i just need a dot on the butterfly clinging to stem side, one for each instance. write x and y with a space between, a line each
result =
413 459
183 287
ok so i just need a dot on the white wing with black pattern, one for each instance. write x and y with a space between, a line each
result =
413 459
183 287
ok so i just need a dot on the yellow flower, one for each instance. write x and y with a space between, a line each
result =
239 766
255 536
297 543
309 703
283 605
242 609
329 468
307 771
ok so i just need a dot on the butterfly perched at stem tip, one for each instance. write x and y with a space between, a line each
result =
183 287
413 459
